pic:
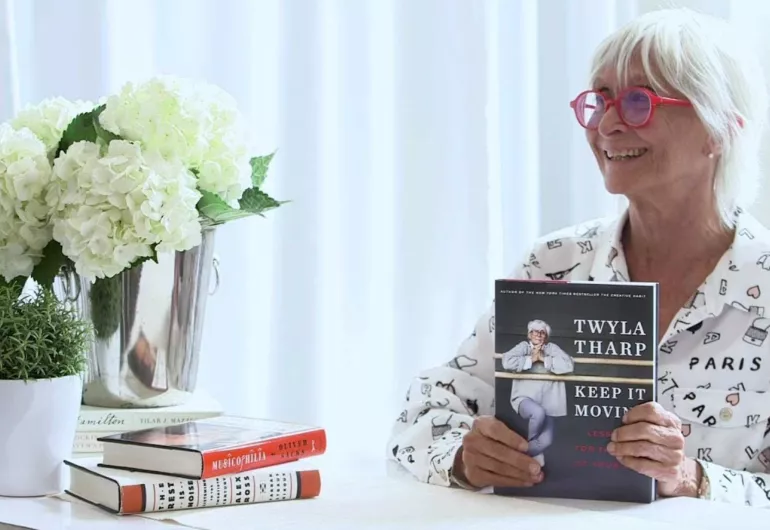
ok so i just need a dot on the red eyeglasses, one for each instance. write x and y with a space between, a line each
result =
635 109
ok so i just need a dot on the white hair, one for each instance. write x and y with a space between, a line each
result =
709 62
539 325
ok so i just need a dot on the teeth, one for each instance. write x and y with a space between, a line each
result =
624 154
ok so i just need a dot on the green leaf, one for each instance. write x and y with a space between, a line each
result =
259 166
79 129
257 201
101 132
253 202
85 127
16 285
45 272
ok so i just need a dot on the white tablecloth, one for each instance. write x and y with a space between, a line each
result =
375 495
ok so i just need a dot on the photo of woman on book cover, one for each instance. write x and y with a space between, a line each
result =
538 401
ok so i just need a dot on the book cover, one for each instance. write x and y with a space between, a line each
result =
119 419
212 447
571 358
126 492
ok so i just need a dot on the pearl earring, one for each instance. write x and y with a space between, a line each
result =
711 155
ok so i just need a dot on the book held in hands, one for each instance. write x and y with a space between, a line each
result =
571 358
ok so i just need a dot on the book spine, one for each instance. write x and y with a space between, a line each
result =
229 490
254 456
86 442
134 420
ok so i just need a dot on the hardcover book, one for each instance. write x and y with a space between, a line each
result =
212 447
571 358
127 492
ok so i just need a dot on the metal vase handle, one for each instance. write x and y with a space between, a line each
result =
215 267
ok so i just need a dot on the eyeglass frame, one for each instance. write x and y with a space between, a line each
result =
655 101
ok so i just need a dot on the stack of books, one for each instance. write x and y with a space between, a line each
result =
96 422
218 461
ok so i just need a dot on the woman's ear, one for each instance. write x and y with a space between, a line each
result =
712 148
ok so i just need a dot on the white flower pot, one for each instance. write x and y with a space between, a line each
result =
38 420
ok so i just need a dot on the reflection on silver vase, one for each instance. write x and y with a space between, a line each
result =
148 324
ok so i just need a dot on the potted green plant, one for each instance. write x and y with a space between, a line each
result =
43 345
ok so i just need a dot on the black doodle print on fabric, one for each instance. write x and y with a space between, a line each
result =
585 246
420 414
438 429
711 337
667 382
767 428
556 243
533 261
473 405
750 452
740 387
757 332
745 232
405 452
560 275
491 323
764 261
462 361
697 300
694 328
591 232
723 287
402 416
438 404
752 419
447 386
704 453
668 346
699 409
759 481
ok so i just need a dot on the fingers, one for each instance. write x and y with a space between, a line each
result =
492 455
652 412
660 435
659 454
494 429
481 467
651 468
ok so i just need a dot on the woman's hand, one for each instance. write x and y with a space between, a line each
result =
493 455
651 443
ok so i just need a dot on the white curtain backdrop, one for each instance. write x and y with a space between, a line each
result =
423 144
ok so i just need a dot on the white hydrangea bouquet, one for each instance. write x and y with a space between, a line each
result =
103 187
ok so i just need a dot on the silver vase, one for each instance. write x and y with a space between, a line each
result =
148 323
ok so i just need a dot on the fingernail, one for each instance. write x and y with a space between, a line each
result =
611 447
523 446
614 436
625 418
534 469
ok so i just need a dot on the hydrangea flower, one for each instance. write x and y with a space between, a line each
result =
25 173
49 118
197 122
114 207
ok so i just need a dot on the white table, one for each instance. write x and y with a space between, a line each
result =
372 494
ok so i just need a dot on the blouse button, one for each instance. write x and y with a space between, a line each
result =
726 414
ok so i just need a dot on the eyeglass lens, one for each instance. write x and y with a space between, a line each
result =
634 108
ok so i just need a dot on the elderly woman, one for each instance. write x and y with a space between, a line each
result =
538 401
673 116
